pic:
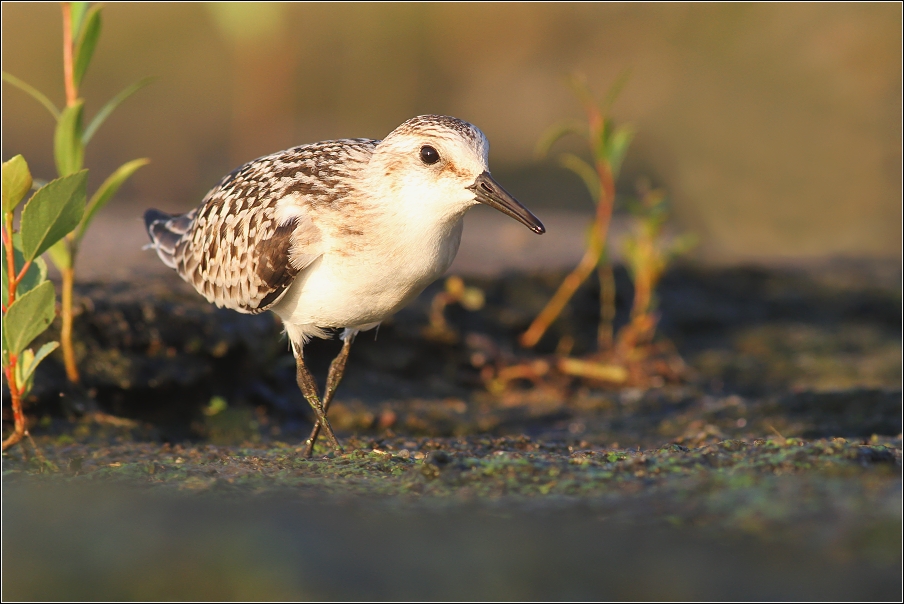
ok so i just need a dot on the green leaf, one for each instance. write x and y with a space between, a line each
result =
87 41
600 143
25 358
682 244
33 93
617 147
578 84
28 317
585 171
78 14
16 182
25 366
68 149
60 255
35 274
631 255
106 192
615 90
112 104
30 361
556 132
54 211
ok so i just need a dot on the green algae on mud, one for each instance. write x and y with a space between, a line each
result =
776 517
769 487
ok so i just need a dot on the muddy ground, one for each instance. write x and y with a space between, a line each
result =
768 465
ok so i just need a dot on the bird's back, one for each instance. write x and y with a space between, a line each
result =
253 232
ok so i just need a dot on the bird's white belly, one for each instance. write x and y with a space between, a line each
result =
362 289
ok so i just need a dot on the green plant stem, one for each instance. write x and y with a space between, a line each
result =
68 275
594 251
10 258
646 276
566 290
10 370
16 395
605 332
68 68
22 272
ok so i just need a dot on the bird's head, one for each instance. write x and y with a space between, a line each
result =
434 165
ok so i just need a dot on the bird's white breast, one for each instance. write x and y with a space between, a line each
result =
366 276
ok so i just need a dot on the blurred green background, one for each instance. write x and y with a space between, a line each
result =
776 128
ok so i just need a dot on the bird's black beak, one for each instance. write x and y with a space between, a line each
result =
489 192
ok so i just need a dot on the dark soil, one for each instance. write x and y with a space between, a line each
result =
772 469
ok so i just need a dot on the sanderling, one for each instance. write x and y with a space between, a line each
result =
335 235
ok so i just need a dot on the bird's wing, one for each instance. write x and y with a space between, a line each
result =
256 230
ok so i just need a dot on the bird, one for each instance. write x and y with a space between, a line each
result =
335 236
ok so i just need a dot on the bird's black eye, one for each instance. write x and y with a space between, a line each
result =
429 155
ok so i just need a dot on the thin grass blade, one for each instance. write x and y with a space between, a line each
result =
585 171
578 84
557 131
112 104
33 93
106 192
615 90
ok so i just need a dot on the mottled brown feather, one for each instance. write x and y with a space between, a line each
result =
253 233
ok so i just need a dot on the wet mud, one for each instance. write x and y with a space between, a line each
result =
767 466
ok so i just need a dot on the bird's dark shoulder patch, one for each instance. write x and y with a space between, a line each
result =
272 267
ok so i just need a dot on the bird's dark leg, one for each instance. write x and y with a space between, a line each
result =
337 369
309 389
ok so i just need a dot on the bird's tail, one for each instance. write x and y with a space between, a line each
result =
165 231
